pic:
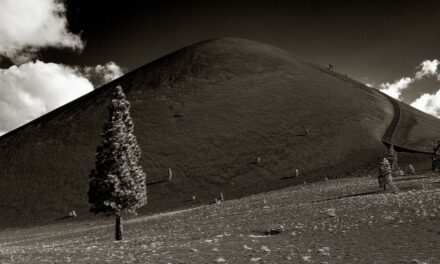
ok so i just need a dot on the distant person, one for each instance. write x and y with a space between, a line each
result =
330 66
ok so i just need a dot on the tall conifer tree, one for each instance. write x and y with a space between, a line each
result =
118 182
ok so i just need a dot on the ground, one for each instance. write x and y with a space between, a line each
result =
336 221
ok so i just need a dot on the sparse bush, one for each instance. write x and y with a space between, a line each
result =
410 170
118 184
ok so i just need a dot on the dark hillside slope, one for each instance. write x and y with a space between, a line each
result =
207 112
416 130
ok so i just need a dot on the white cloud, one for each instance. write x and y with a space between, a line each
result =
395 89
34 88
429 103
427 68
29 25
101 74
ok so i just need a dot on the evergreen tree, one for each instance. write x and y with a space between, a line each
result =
392 157
384 174
118 183
385 177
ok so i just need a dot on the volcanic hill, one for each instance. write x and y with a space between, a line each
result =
208 112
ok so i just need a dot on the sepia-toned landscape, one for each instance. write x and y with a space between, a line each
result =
219 150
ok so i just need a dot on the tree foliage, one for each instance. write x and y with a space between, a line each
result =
384 173
385 178
392 157
118 182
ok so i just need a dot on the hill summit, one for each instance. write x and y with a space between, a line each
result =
224 115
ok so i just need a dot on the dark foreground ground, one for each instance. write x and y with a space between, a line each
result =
335 221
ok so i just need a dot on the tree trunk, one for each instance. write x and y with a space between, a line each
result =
119 230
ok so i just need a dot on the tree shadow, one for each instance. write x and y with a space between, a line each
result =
288 177
62 218
409 178
350 195
156 182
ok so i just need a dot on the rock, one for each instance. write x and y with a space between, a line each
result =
331 212
72 213
265 249
274 230
220 260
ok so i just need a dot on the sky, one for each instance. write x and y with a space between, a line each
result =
54 51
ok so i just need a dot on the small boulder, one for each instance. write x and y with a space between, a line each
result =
274 230
72 214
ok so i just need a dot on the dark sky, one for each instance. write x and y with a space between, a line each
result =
378 40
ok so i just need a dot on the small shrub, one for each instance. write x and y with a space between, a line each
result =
410 170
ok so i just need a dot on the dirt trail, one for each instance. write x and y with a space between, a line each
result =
387 138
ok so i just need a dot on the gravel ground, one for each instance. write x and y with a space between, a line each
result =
335 221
